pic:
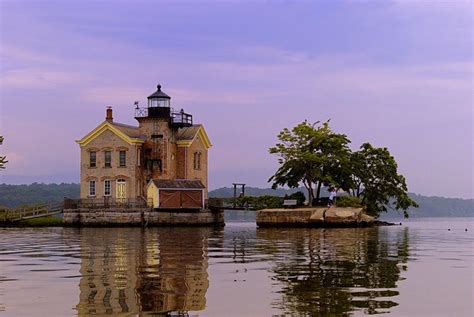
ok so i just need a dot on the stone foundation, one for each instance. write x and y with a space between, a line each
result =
313 217
141 217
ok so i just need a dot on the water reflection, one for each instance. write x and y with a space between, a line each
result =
154 271
239 269
336 271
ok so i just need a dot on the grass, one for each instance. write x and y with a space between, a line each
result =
51 221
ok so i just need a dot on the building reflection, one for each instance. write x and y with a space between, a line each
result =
337 271
132 270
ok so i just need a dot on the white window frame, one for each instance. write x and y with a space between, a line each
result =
107 181
92 188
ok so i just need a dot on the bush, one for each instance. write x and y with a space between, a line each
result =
348 201
298 196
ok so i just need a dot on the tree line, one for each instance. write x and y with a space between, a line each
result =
314 155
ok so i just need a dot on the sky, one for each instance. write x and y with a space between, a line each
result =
397 74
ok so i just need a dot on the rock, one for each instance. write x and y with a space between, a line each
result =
342 215
313 217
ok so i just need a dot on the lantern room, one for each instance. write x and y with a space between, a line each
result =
159 107
159 99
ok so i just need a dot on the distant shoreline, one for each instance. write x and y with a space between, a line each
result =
430 206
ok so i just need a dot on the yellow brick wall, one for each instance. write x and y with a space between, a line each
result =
109 141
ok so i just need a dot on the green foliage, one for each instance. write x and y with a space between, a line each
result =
311 154
3 159
348 201
51 221
260 202
378 182
224 192
16 195
298 196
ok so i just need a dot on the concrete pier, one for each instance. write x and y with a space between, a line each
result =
314 217
141 217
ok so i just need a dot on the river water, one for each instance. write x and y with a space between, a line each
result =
418 269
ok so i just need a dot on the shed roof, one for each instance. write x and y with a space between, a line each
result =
178 184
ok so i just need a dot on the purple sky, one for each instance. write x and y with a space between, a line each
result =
393 73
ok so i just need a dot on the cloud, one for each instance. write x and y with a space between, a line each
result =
245 94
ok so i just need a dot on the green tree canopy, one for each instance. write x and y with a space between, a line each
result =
3 159
314 155
376 180
311 154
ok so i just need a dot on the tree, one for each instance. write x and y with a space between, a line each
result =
376 180
3 159
311 154
314 155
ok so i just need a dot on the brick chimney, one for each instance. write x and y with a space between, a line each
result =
108 116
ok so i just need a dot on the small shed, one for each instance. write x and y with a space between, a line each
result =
174 194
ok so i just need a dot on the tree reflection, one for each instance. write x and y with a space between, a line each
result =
132 270
319 270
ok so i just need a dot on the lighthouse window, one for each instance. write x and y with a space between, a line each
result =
197 160
91 188
108 158
92 159
122 158
107 188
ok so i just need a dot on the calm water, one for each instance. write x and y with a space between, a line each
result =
416 269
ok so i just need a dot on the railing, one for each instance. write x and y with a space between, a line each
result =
29 212
178 118
141 112
106 203
181 118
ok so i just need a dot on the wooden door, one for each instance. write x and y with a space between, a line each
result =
170 199
191 199
121 190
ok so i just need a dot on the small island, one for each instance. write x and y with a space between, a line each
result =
316 156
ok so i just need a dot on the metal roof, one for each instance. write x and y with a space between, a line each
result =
129 130
178 184
188 133
159 94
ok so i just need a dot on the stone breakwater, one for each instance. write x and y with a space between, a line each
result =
314 217
141 217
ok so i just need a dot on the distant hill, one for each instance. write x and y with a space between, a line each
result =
16 195
433 206
225 192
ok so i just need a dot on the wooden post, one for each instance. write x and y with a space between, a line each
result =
235 194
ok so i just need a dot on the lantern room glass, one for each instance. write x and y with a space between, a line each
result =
158 102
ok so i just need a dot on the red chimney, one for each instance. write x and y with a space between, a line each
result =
108 116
